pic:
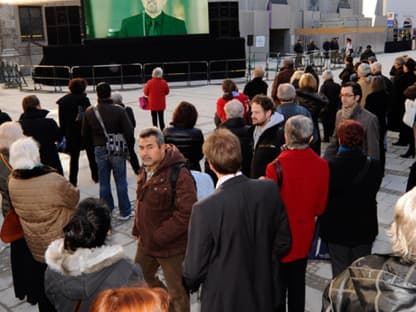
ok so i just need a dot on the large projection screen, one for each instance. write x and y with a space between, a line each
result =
126 18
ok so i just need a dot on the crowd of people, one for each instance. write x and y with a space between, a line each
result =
246 243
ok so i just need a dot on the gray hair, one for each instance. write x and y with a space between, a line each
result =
376 68
327 75
24 154
153 131
298 132
234 109
157 72
10 131
286 92
363 70
402 228
117 98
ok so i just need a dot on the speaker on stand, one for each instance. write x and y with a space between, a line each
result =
249 45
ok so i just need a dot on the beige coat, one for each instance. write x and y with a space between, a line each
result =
45 201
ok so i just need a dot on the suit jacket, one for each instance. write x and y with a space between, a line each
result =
133 26
236 236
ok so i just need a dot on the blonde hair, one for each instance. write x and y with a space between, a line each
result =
308 81
10 131
296 76
403 227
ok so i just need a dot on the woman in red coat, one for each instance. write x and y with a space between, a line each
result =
303 178
156 90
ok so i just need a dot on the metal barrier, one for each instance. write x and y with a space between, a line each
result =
58 75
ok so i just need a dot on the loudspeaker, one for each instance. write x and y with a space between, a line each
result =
249 40
223 19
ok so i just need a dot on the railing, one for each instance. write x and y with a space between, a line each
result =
122 74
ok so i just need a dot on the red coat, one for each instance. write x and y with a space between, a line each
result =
304 193
221 103
156 90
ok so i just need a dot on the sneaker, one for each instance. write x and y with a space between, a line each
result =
124 218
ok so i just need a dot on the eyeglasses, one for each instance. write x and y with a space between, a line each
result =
346 95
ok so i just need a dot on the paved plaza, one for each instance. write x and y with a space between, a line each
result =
204 98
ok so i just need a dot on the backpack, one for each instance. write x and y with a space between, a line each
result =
174 174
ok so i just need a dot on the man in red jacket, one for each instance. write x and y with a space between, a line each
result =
162 216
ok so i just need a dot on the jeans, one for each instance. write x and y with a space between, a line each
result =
117 164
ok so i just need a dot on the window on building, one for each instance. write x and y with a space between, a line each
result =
31 24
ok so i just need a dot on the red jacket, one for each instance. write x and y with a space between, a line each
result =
304 193
156 90
221 103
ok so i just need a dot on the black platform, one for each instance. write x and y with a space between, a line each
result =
397 46
150 50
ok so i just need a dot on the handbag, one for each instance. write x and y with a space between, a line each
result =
410 113
144 102
116 144
11 230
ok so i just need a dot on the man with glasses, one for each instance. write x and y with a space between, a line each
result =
153 21
351 109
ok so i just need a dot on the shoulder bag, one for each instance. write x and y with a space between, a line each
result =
116 143
11 230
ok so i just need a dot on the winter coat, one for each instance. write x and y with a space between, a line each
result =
189 142
331 90
283 76
69 106
46 132
238 127
162 228
346 73
350 218
45 202
371 133
255 87
236 236
156 90
81 275
265 146
303 198
373 283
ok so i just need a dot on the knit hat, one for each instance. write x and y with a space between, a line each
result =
364 70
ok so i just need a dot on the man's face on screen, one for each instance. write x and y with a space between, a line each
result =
153 7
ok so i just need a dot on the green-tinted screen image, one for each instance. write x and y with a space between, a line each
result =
138 18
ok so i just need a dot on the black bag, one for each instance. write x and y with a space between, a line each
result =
116 144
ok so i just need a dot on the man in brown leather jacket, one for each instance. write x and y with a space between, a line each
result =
161 222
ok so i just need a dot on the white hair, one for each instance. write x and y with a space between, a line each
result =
10 131
327 74
117 98
286 92
298 132
24 154
234 109
157 72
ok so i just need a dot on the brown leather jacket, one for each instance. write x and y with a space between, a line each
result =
163 229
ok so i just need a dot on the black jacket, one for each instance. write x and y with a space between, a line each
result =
189 143
116 121
242 131
4 117
46 132
255 86
350 217
267 147
346 73
331 90
68 110
236 236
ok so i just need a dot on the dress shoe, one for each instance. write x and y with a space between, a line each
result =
408 154
400 143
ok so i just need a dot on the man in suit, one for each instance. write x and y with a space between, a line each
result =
152 22
236 235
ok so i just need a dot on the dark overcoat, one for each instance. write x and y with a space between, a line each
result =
235 237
